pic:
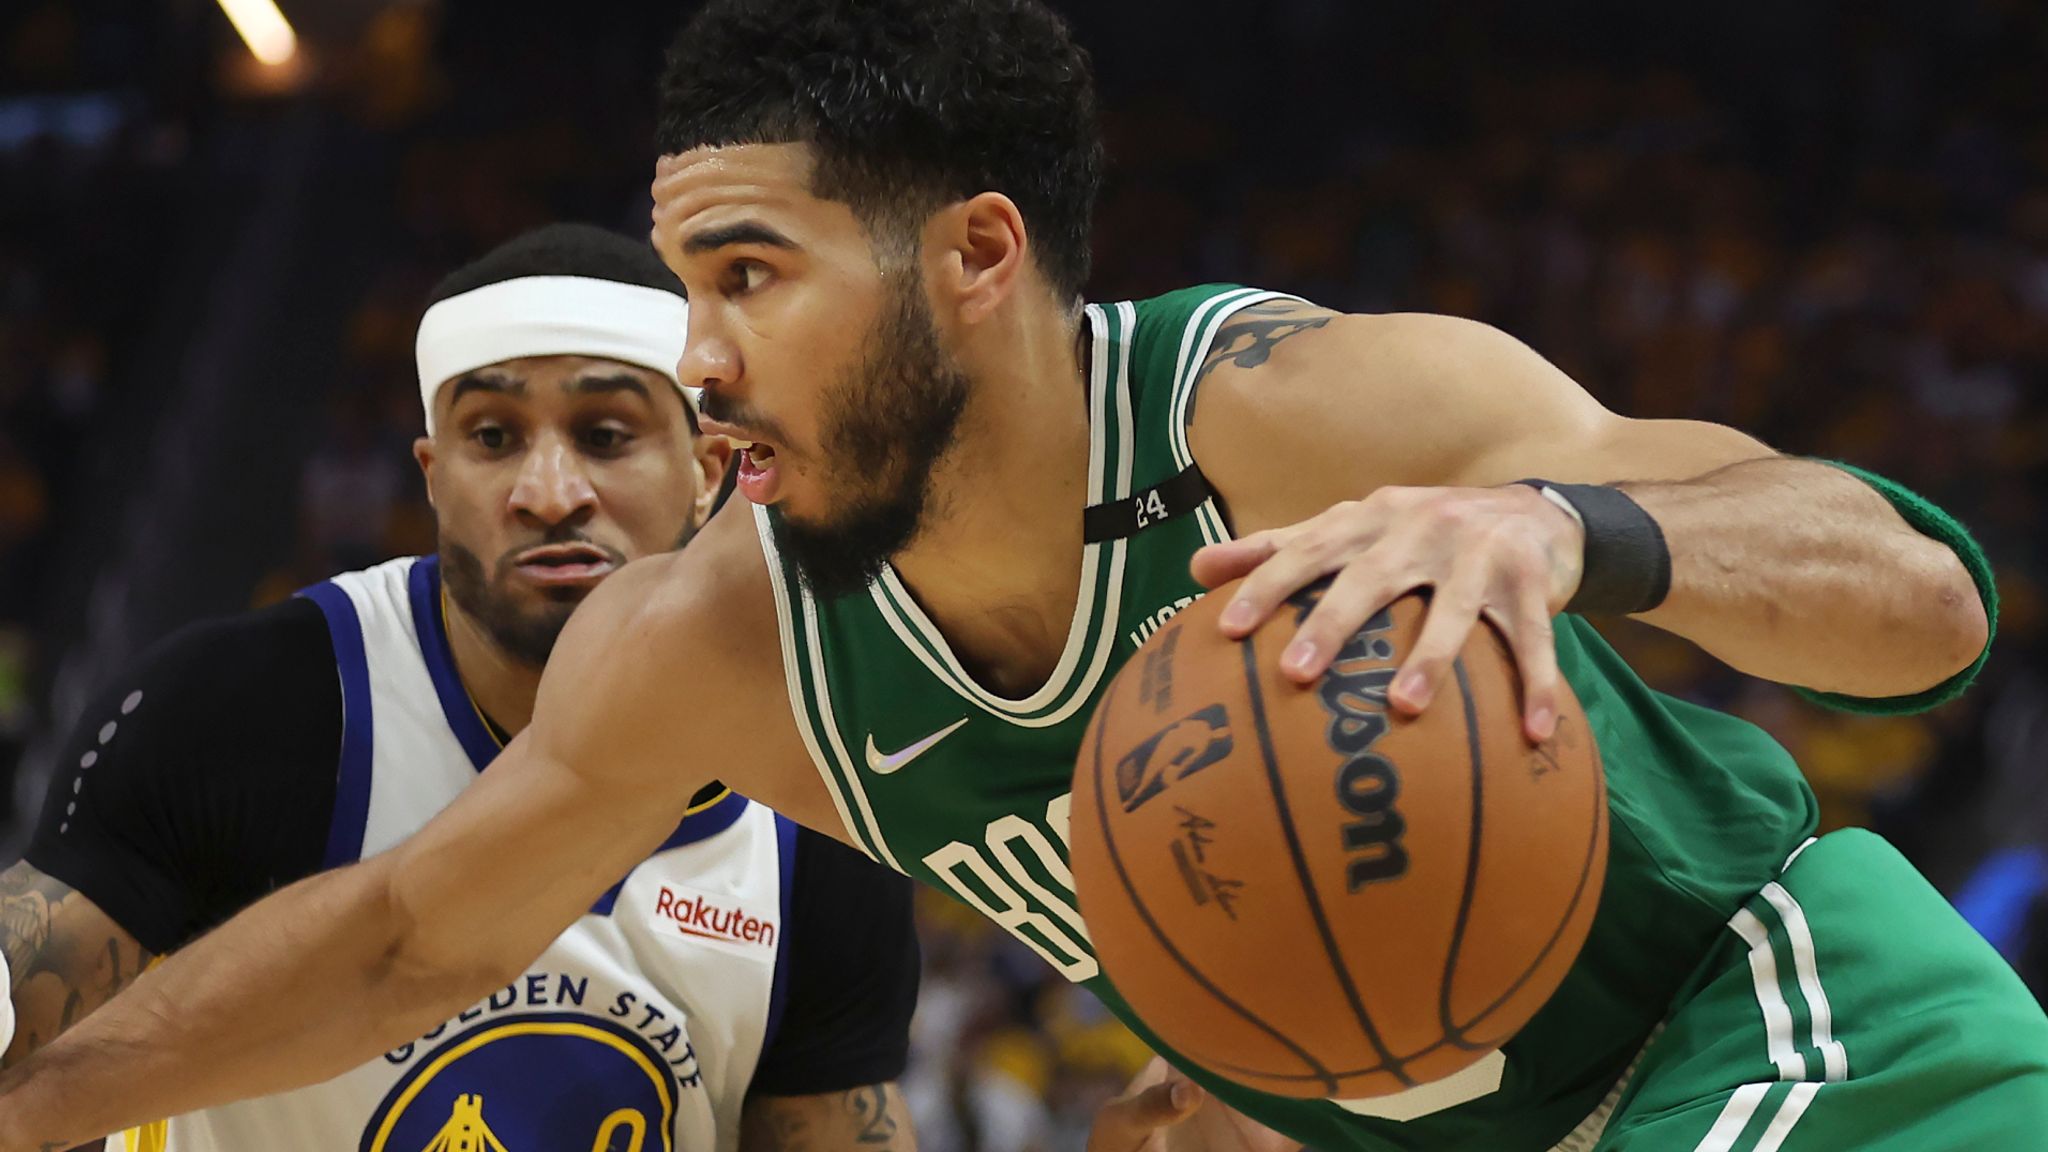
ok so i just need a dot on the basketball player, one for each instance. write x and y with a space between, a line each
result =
744 984
971 497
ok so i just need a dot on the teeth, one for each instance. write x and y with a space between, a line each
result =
742 445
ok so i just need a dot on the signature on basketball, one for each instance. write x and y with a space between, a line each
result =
1191 853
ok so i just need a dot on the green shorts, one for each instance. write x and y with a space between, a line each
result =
1848 1007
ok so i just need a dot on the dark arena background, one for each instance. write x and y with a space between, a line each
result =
1823 222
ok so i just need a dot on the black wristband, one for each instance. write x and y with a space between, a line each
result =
1627 566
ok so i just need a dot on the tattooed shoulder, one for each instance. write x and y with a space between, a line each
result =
1248 338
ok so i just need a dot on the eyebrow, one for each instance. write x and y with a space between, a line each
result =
604 385
620 382
744 232
494 384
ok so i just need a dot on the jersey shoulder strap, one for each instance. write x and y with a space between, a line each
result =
1162 335
411 737
1171 338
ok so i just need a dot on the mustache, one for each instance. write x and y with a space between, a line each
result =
559 534
726 410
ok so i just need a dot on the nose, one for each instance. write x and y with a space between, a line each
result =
553 488
709 360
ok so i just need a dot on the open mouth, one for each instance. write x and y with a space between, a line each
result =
760 479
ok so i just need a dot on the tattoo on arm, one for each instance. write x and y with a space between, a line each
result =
28 900
67 957
870 1118
1248 338
871 1106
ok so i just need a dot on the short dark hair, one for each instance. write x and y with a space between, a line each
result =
563 250
908 104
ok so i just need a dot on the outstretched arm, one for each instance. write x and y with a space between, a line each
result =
1402 438
387 948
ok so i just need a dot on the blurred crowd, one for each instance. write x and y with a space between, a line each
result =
1849 259
83 161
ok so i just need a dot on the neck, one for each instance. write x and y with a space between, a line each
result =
997 565
502 687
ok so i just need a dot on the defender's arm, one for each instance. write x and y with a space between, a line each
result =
65 958
871 1118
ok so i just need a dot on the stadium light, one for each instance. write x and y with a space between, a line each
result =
263 28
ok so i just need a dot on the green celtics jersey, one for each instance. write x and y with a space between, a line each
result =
966 790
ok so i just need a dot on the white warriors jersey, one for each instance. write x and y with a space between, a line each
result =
639 1028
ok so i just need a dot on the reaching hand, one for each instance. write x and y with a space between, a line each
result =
1164 1111
1506 553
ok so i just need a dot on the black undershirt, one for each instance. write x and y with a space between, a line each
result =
205 779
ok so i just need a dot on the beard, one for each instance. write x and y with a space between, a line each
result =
526 634
887 421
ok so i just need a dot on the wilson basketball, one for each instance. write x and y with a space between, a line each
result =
1311 895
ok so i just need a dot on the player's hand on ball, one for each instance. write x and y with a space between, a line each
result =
1506 553
1164 1111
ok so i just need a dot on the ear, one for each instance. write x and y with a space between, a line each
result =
423 453
714 460
982 249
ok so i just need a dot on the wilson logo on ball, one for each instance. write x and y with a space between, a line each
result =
1354 693
1179 750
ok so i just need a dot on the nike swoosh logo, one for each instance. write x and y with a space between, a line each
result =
882 765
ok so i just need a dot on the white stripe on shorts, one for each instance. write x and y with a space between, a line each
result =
1763 969
1733 1119
1834 1057
1788 1114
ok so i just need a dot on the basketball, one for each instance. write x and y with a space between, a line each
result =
1311 895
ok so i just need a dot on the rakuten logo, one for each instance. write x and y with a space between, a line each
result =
695 916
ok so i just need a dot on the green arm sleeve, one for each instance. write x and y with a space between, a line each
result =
1936 524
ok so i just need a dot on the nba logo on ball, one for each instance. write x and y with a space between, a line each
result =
531 1083
1175 752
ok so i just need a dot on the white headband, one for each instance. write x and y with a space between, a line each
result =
550 316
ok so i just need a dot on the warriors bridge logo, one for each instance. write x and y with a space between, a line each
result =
560 1082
